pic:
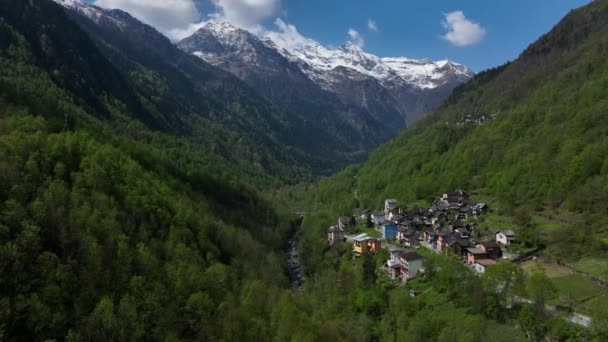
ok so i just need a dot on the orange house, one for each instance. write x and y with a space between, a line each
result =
363 244
474 254
373 245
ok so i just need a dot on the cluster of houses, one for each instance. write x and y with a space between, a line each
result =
404 265
476 119
440 227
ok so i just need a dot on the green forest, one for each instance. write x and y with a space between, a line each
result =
539 159
544 153
118 223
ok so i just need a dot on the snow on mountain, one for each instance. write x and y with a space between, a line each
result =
219 43
390 90
92 12
318 62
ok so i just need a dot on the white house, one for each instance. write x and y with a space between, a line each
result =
480 265
335 234
390 205
410 263
506 237
394 259
378 218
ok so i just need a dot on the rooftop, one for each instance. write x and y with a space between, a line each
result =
410 256
475 251
362 237
489 244
486 262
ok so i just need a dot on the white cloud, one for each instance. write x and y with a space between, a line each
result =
371 24
356 38
180 18
246 13
167 16
179 33
287 36
462 31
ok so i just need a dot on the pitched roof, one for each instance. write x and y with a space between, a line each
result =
394 249
475 251
457 192
456 239
334 229
362 237
486 262
410 256
412 236
489 244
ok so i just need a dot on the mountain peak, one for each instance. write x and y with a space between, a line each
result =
219 27
70 3
351 47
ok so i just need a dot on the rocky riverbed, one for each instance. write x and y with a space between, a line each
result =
293 264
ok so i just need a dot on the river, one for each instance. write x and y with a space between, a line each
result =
294 271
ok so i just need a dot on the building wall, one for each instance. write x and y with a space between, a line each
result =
378 220
360 247
414 267
389 232
479 269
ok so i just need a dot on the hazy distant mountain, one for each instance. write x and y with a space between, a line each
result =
309 130
384 87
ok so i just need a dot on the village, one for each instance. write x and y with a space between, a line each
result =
446 227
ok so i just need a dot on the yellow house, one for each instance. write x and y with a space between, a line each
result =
360 243
360 247
363 244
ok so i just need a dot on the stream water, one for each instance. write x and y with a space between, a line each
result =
293 264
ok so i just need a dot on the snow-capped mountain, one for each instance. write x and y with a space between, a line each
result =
254 60
293 115
92 12
411 87
355 98
287 80
318 61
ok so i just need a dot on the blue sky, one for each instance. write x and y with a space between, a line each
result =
413 28
489 32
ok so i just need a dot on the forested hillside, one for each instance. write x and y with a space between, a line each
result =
190 96
530 138
531 134
133 95
110 230
127 215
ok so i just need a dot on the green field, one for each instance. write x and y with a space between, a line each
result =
551 270
581 293
594 266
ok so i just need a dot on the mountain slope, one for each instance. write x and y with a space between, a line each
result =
532 134
110 230
262 65
530 139
187 89
415 87
389 90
